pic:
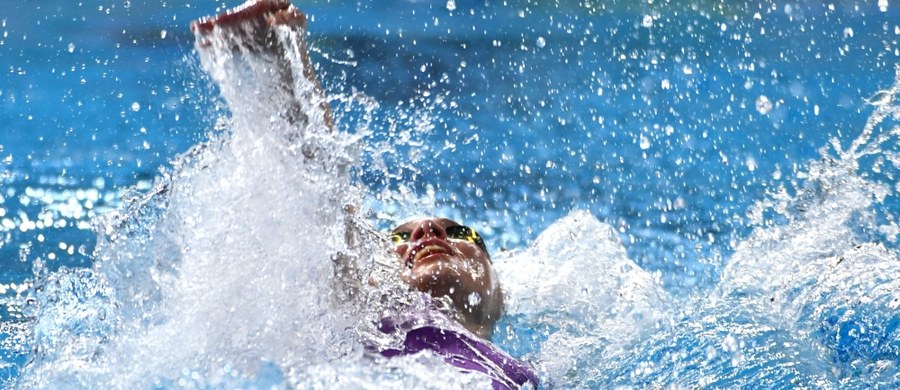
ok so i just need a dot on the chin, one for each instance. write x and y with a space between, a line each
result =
438 277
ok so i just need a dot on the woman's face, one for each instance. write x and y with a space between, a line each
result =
444 258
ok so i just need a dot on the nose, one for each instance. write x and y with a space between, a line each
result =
428 229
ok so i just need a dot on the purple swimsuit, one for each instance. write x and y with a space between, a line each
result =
459 348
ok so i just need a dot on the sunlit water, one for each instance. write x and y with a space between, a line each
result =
699 195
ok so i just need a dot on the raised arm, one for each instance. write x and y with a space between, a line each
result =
257 54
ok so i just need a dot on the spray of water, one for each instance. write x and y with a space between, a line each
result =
245 265
228 264
824 274
810 297
577 294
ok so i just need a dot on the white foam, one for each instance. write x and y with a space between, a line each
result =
821 274
229 259
577 285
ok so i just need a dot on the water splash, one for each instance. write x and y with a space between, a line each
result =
809 298
244 265
814 282
228 260
574 294
824 274
222 275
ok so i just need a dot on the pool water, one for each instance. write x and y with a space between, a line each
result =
698 194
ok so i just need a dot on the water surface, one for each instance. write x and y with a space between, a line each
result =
706 151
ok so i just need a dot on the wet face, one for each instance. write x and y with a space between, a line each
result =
444 258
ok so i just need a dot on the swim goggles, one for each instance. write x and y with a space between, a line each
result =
455 232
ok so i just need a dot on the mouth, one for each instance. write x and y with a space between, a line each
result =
426 249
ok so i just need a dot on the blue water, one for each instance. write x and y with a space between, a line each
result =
694 134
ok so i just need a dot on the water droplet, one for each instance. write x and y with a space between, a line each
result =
763 105
541 42
645 142
135 106
163 33
848 32
474 299
71 47
880 98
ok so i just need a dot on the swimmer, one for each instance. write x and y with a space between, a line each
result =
435 256
443 258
